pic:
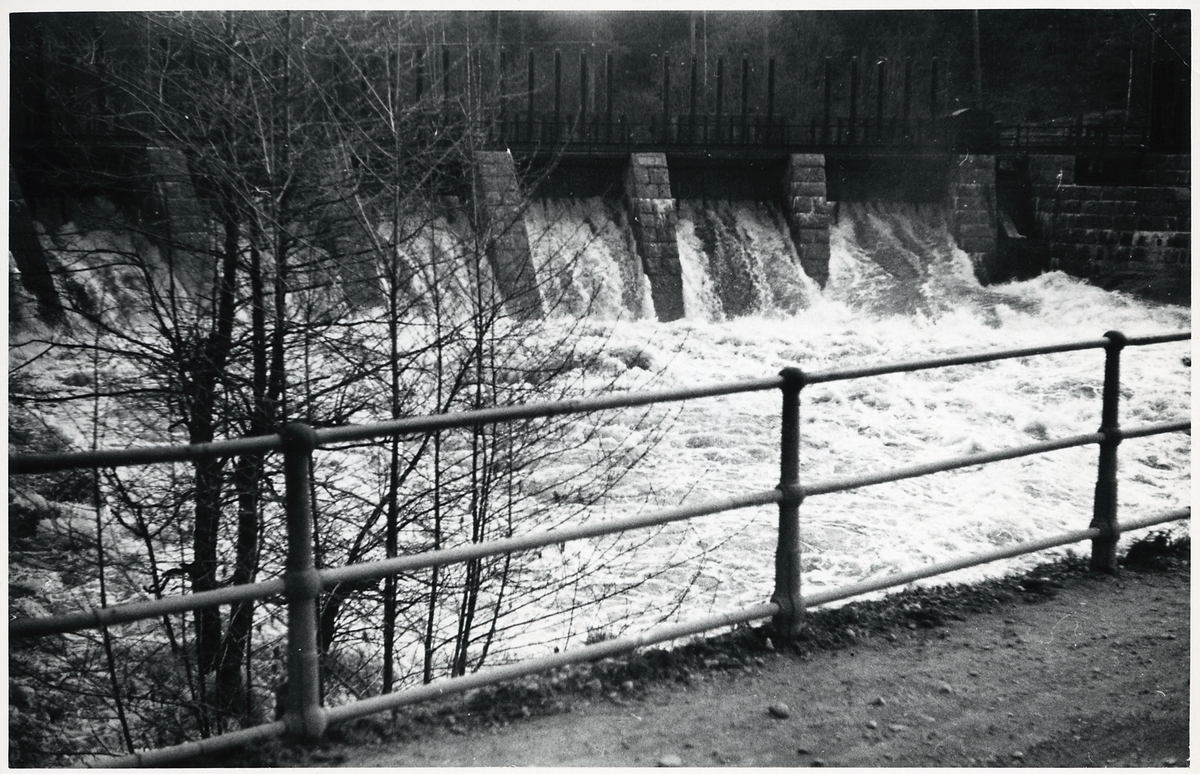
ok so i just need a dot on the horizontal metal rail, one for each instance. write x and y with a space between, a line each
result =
608 648
1007 552
96 618
843 374
444 687
370 570
198 750
425 424
1156 429
954 463
45 463
118 614
147 455
600 650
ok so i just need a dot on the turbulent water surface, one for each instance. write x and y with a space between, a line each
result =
898 289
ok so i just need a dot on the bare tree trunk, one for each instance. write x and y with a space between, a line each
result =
247 482
202 371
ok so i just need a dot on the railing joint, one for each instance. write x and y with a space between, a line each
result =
298 438
794 378
302 584
789 620
1116 340
793 494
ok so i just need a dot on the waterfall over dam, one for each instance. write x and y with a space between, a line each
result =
717 239
650 236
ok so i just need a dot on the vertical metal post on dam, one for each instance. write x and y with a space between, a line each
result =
907 88
853 97
880 84
828 102
720 94
666 96
745 95
933 89
608 95
529 90
557 93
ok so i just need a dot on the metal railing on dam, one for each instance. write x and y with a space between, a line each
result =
302 582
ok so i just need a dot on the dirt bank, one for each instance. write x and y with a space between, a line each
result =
1059 668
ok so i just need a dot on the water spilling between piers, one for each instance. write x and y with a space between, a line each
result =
898 289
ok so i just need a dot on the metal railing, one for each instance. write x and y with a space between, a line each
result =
601 133
302 582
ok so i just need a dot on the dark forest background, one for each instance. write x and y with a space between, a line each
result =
1035 65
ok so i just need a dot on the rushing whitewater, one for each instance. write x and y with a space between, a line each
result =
898 289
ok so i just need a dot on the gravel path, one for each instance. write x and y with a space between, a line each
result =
1093 672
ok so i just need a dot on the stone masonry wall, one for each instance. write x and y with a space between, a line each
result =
179 215
499 202
808 213
1132 237
652 213
1167 170
25 251
973 211
175 199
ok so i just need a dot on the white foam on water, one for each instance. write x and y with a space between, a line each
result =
586 260
876 309
898 289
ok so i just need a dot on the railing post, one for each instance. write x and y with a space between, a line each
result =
790 618
557 93
608 95
305 718
529 91
828 103
1104 512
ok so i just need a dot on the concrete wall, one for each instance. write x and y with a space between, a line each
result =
1136 238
